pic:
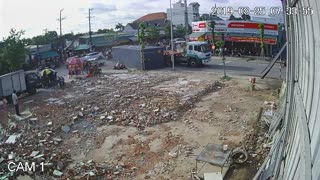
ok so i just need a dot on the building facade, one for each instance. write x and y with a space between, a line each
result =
244 35
178 13
270 20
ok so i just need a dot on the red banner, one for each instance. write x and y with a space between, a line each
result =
252 25
252 40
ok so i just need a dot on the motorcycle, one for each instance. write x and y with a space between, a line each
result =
109 55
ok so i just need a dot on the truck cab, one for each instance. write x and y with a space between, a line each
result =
198 52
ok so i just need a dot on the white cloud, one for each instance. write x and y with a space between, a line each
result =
34 16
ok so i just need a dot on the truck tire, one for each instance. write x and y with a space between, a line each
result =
32 91
193 62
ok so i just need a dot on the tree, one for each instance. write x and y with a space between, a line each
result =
49 37
232 17
119 27
101 31
261 27
246 17
190 29
69 36
212 26
180 31
153 34
141 36
220 44
167 30
13 53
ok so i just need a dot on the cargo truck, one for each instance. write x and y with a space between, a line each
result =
193 53
20 81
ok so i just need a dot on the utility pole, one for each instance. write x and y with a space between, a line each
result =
90 33
186 21
171 27
61 38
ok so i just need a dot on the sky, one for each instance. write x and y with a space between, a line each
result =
34 16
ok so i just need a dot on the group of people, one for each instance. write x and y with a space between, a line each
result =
4 111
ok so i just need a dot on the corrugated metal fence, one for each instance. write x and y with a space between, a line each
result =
295 152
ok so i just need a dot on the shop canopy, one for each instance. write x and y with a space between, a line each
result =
48 54
82 47
196 35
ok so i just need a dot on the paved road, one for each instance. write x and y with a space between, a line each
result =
236 65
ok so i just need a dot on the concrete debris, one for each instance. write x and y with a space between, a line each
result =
161 168
80 114
107 100
33 119
57 139
66 128
12 139
57 173
96 108
34 153
11 156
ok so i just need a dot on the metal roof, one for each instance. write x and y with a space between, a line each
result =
48 54
82 47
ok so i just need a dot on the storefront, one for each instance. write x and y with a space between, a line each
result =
241 35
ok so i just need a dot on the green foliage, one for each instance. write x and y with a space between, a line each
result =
180 32
119 27
142 39
167 30
246 17
49 37
13 53
153 34
69 36
261 27
212 26
102 31
220 43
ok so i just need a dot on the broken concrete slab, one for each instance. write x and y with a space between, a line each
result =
34 153
12 139
57 173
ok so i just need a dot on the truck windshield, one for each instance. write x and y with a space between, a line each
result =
205 48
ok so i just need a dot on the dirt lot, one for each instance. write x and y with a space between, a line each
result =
140 125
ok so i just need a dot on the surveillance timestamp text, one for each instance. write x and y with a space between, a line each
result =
259 11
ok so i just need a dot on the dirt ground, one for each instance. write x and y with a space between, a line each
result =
202 109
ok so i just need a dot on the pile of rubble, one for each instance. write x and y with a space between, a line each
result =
160 169
32 148
93 170
116 99
129 102
185 150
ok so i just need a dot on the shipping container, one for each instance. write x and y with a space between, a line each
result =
130 56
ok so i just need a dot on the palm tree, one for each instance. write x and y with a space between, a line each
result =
141 36
261 27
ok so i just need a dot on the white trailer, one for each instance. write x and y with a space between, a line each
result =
12 81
